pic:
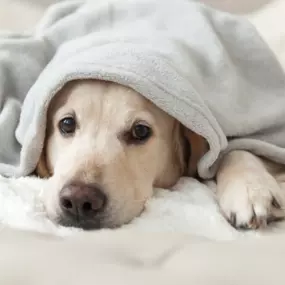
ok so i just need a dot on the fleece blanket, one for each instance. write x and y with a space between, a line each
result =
209 69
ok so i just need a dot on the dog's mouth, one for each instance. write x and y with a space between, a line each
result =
82 223
103 220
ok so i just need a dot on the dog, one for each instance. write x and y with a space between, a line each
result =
107 147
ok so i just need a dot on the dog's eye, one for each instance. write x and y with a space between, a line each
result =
67 126
140 132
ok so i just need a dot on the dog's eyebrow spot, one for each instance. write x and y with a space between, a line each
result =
135 116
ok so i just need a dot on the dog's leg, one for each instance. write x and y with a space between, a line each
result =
248 194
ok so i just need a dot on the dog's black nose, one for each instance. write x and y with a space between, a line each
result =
80 203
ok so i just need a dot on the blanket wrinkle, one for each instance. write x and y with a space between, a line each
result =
209 69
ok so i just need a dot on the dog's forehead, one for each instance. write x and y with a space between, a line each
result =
96 99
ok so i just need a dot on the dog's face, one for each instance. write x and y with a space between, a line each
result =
106 148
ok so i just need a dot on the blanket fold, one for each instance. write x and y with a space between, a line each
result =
208 69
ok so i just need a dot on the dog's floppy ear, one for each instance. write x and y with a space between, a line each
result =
41 168
197 147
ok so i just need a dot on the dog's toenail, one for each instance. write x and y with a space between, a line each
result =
233 219
275 203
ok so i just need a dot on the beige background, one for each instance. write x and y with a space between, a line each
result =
19 15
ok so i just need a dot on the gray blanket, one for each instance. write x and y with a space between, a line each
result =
208 69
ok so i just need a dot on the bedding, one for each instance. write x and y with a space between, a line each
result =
126 257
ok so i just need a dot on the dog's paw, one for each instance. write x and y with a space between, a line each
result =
251 200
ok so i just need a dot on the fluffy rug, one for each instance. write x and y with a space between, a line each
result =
192 208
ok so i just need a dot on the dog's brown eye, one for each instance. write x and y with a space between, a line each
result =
140 132
67 126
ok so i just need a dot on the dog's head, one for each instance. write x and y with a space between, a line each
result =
106 148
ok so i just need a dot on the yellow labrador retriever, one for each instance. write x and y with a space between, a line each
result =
107 147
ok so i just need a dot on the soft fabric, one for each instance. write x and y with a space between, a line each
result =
209 69
191 209
127 258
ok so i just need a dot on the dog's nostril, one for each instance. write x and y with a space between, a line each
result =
66 203
87 207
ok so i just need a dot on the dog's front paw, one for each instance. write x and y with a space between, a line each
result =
251 200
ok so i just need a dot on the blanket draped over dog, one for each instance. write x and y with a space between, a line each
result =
209 69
